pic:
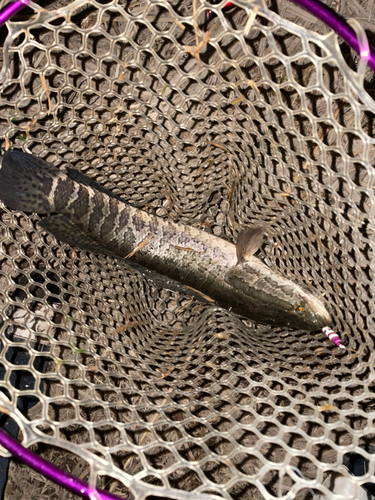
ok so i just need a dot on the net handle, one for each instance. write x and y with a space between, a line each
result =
340 26
48 470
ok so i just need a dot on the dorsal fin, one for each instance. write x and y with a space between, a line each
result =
248 242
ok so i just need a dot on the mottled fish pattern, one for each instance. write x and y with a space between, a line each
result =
82 213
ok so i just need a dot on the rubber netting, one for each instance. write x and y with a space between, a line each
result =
218 120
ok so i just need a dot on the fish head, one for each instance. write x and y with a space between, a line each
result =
273 299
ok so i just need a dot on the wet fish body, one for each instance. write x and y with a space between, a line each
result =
81 213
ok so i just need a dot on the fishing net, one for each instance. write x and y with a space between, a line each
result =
217 120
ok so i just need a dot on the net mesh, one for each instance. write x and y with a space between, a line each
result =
218 121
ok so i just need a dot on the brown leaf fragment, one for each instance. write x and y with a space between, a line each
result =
286 194
122 74
230 190
239 99
45 88
31 126
221 336
320 350
165 374
184 248
4 410
218 145
327 407
253 85
195 50
250 21
207 223
139 247
200 293
85 472
128 324
173 332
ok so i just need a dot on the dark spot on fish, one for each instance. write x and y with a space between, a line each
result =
153 225
47 185
124 242
167 232
109 222
62 194
138 222
124 218
80 206
96 215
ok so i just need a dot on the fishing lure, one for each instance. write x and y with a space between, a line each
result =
333 337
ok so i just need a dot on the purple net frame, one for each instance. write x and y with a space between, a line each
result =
73 484
340 26
315 7
48 470
10 9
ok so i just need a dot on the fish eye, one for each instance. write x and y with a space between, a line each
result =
301 311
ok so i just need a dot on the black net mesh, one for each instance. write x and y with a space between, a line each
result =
215 120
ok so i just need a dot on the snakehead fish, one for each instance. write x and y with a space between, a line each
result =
83 214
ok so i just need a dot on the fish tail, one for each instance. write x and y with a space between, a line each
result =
26 182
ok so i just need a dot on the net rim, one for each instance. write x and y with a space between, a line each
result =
339 25
65 479
71 483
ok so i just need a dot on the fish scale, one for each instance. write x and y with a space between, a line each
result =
82 213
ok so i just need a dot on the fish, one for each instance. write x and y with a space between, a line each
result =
84 214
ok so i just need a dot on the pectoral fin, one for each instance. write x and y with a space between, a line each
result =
248 242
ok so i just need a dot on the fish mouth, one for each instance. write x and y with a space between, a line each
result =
315 310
